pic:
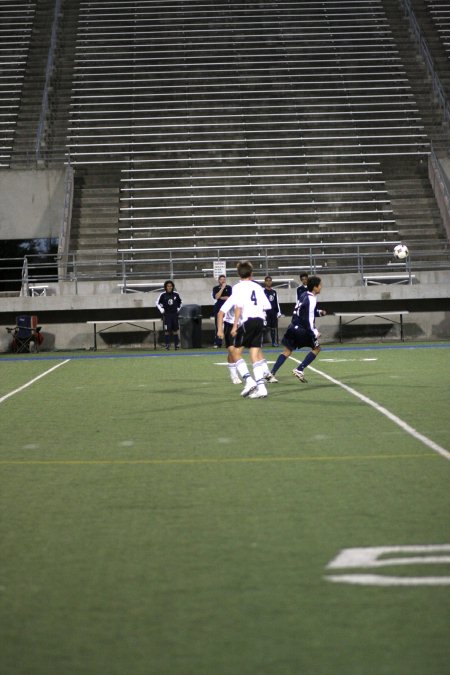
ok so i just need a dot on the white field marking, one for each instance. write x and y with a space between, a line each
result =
345 360
225 363
369 557
126 444
380 580
35 379
384 411
30 446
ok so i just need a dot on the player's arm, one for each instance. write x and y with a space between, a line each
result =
159 304
237 316
311 316
220 316
278 308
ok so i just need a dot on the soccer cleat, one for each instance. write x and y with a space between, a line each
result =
299 375
235 380
259 392
250 385
270 378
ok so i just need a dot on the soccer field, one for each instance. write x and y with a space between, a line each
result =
153 522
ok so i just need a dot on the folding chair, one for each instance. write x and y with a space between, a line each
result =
26 334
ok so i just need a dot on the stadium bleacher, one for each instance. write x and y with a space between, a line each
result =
250 129
16 22
243 123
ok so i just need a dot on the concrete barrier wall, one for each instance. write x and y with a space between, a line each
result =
31 203
63 315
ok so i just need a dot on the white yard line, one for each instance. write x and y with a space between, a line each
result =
35 379
403 425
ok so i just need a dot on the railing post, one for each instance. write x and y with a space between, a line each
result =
64 237
25 286
48 76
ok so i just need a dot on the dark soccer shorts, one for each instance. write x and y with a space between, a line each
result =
272 319
229 340
170 322
297 337
252 334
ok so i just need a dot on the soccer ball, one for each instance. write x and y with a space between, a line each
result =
401 252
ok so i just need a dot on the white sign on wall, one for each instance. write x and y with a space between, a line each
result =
219 267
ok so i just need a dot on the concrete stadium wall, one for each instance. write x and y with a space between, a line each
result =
31 203
63 315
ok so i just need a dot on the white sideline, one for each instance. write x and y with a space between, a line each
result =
403 425
35 379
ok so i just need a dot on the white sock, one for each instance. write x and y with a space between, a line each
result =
243 371
258 371
232 370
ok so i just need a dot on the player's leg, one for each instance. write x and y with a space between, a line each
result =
231 349
254 333
241 366
174 326
289 341
309 358
217 340
166 332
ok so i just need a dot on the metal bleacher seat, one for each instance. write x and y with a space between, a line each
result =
16 22
440 14
250 125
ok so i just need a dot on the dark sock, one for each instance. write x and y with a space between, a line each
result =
278 363
309 358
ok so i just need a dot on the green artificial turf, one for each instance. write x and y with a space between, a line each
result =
153 522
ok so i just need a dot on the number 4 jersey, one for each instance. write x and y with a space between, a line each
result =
250 297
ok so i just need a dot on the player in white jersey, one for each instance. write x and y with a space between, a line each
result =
250 304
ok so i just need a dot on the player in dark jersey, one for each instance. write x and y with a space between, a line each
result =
273 313
169 304
302 331
303 285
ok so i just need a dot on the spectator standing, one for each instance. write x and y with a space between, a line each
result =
273 314
303 285
169 304
220 294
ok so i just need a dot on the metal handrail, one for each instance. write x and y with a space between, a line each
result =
361 259
64 237
438 89
48 76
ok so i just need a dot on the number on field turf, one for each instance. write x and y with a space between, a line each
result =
384 556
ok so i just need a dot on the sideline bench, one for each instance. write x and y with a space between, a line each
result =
36 290
277 282
135 323
378 315
380 279
141 287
